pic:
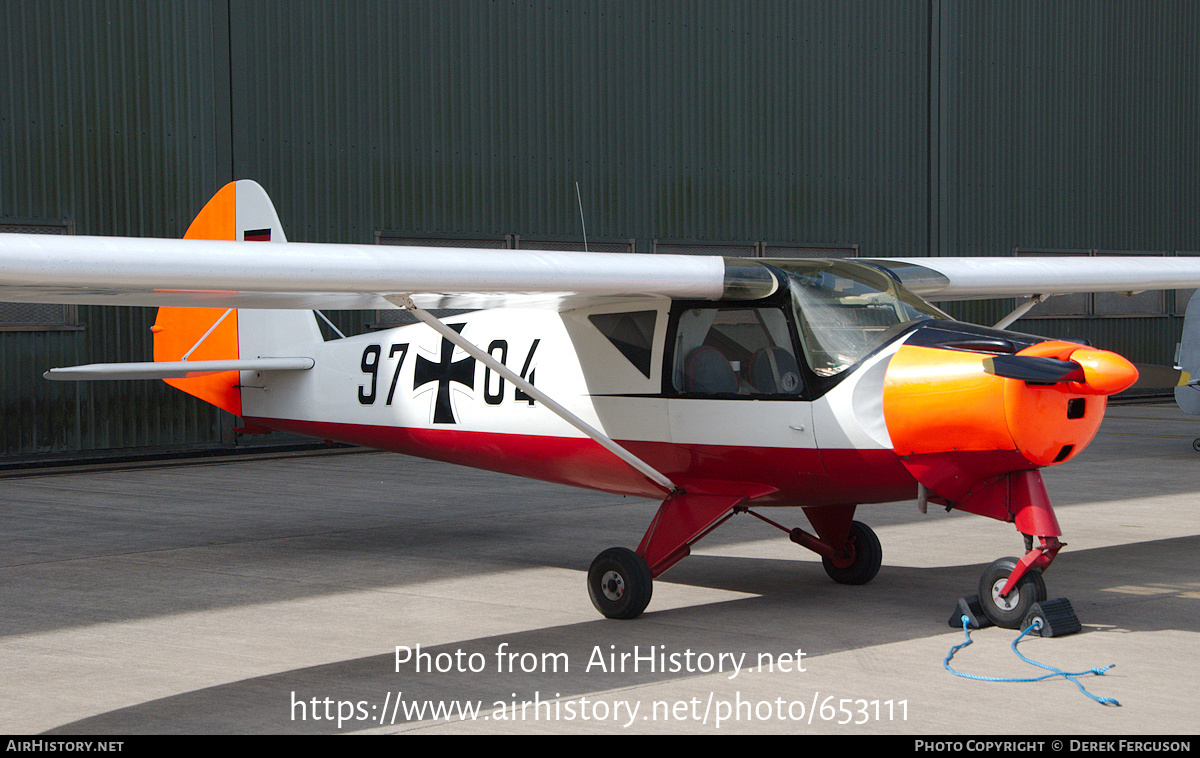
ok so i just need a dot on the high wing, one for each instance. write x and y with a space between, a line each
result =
227 274
977 278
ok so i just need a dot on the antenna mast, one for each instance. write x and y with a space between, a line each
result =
582 223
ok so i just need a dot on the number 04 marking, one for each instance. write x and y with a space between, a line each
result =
497 397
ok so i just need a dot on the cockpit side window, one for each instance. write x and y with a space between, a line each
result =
735 352
631 333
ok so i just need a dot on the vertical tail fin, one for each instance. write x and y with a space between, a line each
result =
240 211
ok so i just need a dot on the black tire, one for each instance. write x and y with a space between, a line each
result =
1009 612
1196 445
619 583
864 559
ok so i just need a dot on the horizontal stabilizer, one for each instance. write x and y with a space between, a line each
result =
173 369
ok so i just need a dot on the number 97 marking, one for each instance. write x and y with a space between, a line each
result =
370 365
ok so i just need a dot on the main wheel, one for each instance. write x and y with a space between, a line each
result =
1009 612
619 583
864 556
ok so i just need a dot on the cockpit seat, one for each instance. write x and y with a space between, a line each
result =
774 370
707 370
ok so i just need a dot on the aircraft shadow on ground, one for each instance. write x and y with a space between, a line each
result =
789 607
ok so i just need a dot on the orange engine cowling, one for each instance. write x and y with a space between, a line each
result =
959 418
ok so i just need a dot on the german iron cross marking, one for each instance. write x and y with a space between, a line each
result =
443 372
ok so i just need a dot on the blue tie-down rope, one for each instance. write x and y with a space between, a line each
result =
1037 624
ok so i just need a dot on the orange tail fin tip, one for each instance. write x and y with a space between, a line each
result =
239 211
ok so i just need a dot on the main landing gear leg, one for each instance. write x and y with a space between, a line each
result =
620 581
857 554
849 549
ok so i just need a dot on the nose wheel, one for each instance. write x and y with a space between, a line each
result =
1009 610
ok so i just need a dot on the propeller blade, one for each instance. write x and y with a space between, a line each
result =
1035 369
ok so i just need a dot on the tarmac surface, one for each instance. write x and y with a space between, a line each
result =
269 595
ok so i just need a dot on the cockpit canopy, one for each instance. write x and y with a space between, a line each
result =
752 345
844 310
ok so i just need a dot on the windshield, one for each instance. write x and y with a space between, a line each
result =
845 310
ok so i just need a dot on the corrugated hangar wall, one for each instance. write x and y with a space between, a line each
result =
905 128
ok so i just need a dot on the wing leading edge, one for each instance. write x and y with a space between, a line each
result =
220 273
217 273
977 278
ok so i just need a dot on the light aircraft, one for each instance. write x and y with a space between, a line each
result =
713 385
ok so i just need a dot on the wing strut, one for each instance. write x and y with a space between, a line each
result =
1019 311
488 360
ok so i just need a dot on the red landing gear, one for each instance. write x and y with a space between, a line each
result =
1009 609
620 581
1009 587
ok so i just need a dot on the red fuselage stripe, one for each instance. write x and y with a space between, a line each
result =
803 476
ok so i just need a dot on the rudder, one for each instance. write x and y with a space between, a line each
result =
240 211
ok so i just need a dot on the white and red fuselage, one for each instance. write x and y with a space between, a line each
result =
409 390
923 406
